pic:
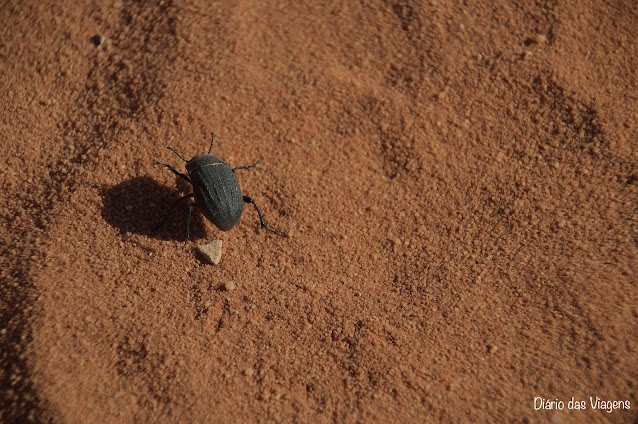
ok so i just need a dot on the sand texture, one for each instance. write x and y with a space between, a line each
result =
456 183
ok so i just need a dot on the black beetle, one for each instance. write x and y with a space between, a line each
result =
215 189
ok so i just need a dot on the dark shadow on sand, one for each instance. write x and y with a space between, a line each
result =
139 206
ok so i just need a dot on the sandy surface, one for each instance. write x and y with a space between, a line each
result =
458 186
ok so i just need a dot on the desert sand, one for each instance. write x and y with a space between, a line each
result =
456 182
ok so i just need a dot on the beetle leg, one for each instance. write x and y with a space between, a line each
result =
261 218
175 171
168 212
246 166
188 223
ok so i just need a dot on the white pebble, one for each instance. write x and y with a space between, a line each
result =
212 251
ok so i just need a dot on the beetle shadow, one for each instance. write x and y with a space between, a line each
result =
140 205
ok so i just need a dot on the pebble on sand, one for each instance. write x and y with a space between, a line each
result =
539 38
212 251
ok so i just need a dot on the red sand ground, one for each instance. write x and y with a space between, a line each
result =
458 184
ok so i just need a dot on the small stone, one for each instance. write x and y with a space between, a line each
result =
212 251
539 38
129 207
229 285
249 372
492 348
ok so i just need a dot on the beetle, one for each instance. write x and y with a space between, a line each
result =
215 189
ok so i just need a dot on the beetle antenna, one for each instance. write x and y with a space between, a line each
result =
212 138
175 151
